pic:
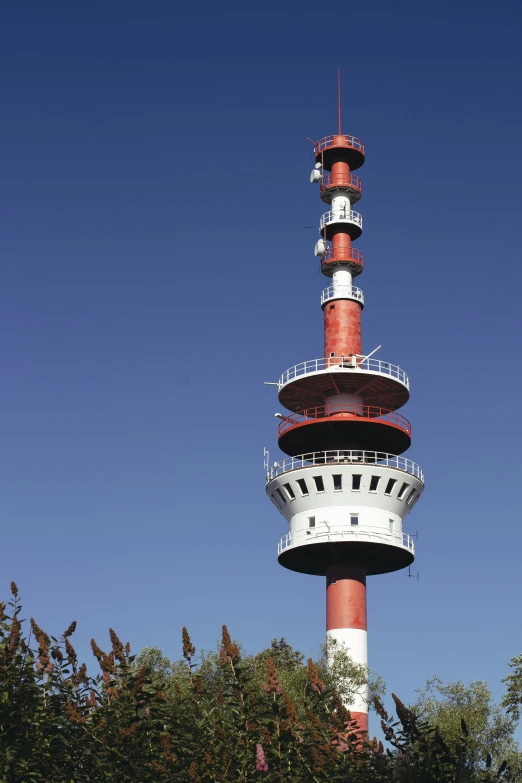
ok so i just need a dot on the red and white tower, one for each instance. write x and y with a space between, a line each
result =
344 488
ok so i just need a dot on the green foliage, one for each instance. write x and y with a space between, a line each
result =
490 728
335 666
346 677
513 697
420 754
224 718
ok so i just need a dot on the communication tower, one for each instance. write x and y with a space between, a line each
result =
344 488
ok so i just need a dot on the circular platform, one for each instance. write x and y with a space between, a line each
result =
373 550
340 147
332 184
340 291
346 221
334 257
309 383
344 427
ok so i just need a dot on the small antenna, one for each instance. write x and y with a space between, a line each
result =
413 576
339 99
365 358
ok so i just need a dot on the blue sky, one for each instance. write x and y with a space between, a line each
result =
156 270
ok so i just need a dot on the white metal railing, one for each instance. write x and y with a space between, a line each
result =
344 364
344 457
342 292
340 216
346 533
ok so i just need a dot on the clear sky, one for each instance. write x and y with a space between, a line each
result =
156 270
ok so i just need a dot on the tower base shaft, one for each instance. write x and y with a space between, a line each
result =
346 623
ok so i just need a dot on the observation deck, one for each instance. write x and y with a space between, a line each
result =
344 426
381 383
311 552
340 147
332 184
341 219
342 292
346 256
345 505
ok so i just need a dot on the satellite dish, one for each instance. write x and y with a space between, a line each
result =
320 248
315 176
318 165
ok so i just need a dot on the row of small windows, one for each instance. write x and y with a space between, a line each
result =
281 498
354 520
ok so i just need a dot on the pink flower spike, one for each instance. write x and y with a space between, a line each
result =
261 764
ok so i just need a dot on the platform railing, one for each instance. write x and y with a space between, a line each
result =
340 216
342 180
339 140
341 292
344 457
345 412
346 533
344 253
344 364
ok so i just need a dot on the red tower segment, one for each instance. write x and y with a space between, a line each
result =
342 328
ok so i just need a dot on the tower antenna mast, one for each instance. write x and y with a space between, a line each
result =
339 99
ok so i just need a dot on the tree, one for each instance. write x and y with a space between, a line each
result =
490 728
513 697
419 753
345 676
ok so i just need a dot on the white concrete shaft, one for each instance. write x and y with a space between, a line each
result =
341 205
342 277
355 641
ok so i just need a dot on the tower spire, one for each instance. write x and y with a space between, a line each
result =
344 487
339 101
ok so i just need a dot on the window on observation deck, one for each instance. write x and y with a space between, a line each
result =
319 484
311 521
290 491
411 497
402 490
337 482
280 495
356 481
354 519
302 487
389 486
374 483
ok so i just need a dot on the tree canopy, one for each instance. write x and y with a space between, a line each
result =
490 727
224 718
